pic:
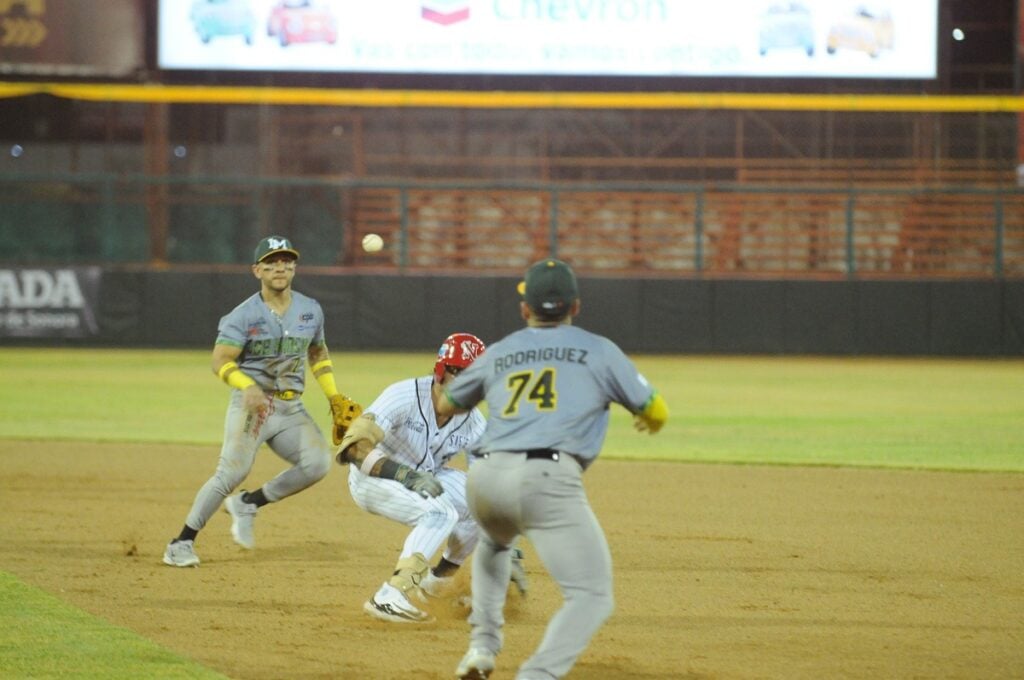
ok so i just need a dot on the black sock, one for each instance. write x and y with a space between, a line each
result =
444 568
255 497
187 534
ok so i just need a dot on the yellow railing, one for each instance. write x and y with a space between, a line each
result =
205 94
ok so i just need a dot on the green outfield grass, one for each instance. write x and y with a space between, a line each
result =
916 413
45 638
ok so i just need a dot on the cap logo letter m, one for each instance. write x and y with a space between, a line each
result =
276 243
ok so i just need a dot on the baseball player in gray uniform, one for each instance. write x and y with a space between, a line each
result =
398 453
548 388
261 351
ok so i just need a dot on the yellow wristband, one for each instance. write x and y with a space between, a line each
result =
326 363
231 374
323 371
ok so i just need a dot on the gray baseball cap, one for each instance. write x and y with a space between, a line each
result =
549 288
272 245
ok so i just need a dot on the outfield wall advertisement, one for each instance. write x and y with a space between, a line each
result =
49 303
375 312
71 38
892 39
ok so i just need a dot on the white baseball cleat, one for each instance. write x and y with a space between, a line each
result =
390 604
476 665
181 554
436 586
242 516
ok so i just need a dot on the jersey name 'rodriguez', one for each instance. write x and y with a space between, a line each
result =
274 348
572 355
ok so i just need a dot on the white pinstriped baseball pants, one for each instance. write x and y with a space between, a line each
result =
434 520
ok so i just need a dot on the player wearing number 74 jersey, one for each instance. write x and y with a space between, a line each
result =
548 389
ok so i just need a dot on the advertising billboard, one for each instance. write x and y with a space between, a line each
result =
50 302
892 39
71 38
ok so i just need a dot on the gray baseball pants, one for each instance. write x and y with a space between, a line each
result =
544 500
290 432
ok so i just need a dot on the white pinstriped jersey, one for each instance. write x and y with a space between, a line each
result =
405 412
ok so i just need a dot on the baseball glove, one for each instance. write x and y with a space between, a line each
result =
343 412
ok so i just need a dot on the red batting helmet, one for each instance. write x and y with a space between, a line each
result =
458 350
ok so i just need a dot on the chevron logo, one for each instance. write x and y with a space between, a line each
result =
22 32
445 12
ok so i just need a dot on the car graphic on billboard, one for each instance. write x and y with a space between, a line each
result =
785 26
868 30
300 21
214 18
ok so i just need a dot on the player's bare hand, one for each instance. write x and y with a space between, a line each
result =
254 400
643 424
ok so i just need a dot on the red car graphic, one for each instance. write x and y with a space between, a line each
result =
295 21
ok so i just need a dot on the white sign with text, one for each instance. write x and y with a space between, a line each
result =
49 303
895 39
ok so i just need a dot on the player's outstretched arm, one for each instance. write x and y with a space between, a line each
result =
447 406
652 416
343 410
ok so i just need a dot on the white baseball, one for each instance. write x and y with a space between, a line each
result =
372 243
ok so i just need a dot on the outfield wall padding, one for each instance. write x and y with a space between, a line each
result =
415 312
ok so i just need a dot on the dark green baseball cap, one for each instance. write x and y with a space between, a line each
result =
549 288
272 245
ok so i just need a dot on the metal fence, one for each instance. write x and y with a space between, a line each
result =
713 230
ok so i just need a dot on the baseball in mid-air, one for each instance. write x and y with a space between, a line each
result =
372 243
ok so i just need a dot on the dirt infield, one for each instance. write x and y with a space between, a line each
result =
721 571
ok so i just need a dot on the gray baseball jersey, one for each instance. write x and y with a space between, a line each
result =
550 388
274 348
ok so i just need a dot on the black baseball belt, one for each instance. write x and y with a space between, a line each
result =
531 454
